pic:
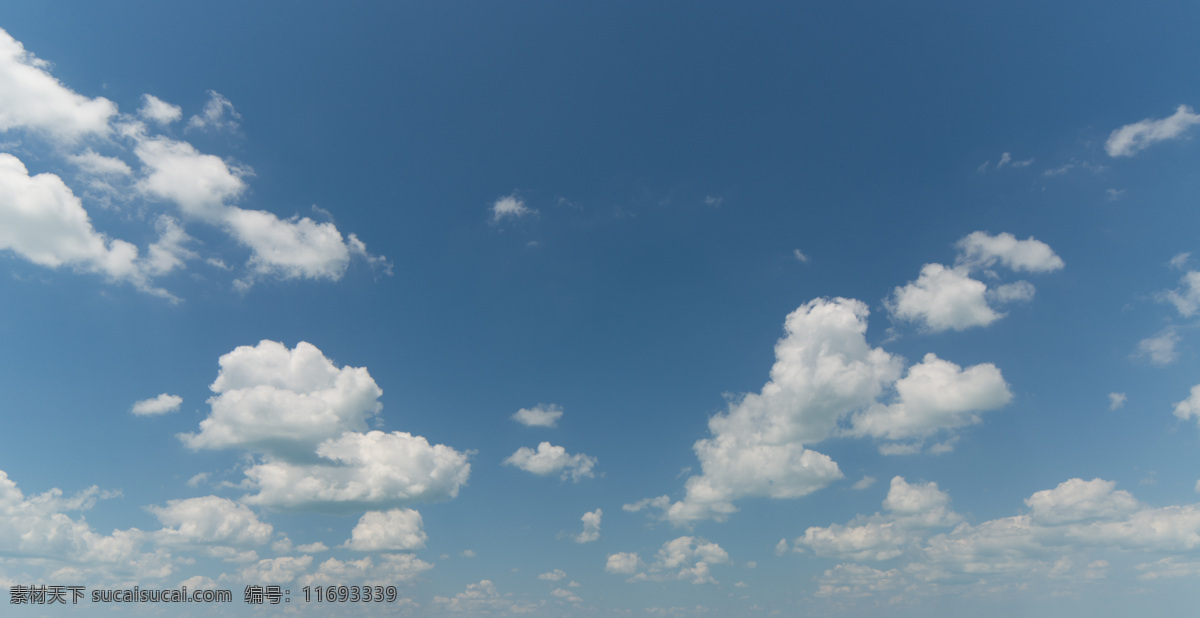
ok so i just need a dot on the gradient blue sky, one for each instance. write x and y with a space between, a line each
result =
859 309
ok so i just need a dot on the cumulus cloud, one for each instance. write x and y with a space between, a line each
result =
1133 138
1187 298
397 529
591 527
509 207
685 558
284 402
382 570
209 520
200 184
553 576
825 373
276 571
1160 349
1116 400
949 298
1189 407
218 114
549 459
157 405
159 111
934 395
42 221
1077 500
541 415
32 99
359 471
482 598
36 532
96 164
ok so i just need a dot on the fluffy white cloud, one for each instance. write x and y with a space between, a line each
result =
218 114
541 415
1132 138
591 527
1160 349
37 533
1189 407
203 186
913 508
553 576
387 569
43 221
169 251
359 470
863 483
157 405
550 459
981 250
483 598
99 165
1077 500
623 563
1187 298
685 558
509 207
934 395
823 369
209 520
159 111
200 184
944 298
275 571
284 402
1116 400
397 529
30 98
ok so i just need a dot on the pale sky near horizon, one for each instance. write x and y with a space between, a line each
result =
602 309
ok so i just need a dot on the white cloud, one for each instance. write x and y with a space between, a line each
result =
397 529
509 207
200 184
1187 298
913 508
385 569
685 558
169 251
623 563
781 547
553 576
289 248
284 402
483 598
1179 260
550 459
359 471
30 98
823 369
37 533
863 483
209 520
1132 138
1116 400
981 250
275 571
159 111
934 395
800 255
99 165
312 548
157 405
541 415
218 114
43 221
856 580
1189 407
944 298
591 527
1160 349
1077 500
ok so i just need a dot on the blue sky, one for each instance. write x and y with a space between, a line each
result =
604 309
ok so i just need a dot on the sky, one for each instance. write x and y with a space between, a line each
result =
603 309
